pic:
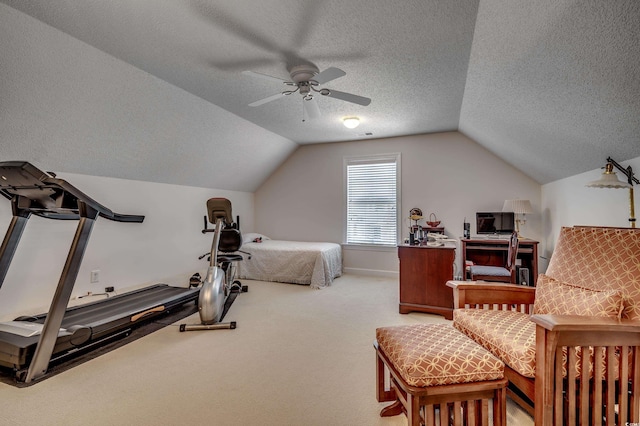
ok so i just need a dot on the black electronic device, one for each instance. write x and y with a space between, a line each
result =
495 222
523 276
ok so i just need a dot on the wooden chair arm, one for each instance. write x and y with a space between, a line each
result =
569 323
474 293
557 337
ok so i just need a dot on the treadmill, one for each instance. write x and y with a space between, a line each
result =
29 344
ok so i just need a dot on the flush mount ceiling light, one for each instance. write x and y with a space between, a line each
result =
351 122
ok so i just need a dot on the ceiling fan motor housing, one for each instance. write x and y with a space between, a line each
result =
303 73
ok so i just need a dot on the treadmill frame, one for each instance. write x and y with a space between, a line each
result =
34 191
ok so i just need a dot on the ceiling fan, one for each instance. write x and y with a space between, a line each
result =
306 80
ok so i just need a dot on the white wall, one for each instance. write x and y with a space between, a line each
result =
446 173
62 99
164 248
568 202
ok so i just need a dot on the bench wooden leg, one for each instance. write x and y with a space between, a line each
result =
382 394
392 410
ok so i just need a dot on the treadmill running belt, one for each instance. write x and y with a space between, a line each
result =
86 324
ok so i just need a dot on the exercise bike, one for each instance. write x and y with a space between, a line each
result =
219 288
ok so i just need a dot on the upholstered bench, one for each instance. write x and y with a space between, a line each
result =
435 367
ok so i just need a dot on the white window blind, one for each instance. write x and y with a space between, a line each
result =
372 198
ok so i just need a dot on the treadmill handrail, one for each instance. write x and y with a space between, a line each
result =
45 181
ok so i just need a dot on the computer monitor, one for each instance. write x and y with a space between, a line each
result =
495 222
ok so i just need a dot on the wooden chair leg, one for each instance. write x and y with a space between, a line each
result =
500 407
413 410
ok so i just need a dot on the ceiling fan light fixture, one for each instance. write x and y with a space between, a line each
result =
351 122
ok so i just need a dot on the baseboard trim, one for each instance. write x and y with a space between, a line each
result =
371 272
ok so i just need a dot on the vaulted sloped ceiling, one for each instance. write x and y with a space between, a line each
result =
551 86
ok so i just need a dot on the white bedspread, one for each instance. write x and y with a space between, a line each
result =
295 262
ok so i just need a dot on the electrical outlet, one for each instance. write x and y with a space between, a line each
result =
95 275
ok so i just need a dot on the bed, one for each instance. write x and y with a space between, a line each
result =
297 262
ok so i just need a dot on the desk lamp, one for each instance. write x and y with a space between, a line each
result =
519 207
609 179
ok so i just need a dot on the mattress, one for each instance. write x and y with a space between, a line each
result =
312 263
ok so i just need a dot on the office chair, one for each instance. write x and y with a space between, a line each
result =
503 274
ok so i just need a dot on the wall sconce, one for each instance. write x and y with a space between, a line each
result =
609 179
351 122
519 207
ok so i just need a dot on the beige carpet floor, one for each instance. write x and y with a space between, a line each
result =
298 357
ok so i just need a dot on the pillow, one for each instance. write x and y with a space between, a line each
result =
251 237
559 298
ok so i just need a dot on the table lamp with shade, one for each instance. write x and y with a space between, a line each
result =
518 207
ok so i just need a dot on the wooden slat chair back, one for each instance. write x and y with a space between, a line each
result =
588 368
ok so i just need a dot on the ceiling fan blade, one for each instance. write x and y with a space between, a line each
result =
233 25
328 75
265 100
311 108
265 76
360 100
309 14
243 64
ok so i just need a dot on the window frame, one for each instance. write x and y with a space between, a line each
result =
378 158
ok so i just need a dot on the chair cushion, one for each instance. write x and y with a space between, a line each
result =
495 271
559 298
230 240
437 354
230 258
509 335
600 259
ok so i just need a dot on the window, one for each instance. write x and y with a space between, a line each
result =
372 199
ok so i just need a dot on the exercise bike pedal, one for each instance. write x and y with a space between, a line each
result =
239 288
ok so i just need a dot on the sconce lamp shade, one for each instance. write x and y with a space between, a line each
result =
517 206
609 179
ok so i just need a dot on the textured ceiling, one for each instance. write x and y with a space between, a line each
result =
551 86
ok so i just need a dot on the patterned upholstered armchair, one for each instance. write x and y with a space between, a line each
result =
572 344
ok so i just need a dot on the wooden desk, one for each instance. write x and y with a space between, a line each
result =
494 252
424 272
